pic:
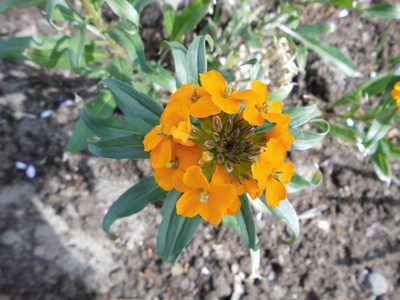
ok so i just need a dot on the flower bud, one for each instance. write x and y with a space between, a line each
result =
236 159
247 158
209 144
220 158
255 150
240 149
247 143
228 166
217 123
247 131
228 125
236 132
216 136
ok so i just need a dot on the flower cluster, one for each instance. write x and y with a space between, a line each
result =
396 93
215 143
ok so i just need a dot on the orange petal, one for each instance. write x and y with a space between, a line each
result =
186 91
275 192
252 188
214 83
275 153
153 138
194 178
230 106
173 116
246 95
189 156
277 118
220 197
220 176
234 207
261 170
287 170
252 115
177 181
163 177
161 154
261 89
187 204
204 107
282 133
181 133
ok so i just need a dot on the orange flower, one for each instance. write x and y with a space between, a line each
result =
271 173
196 99
171 175
210 201
223 95
259 109
161 146
281 131
396 93
176 122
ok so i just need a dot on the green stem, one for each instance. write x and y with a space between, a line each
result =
380 45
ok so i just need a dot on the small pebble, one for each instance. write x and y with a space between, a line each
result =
350 122
259 216
19 165
205 271
66 103
46 113
343 13
378 284
373 74
30 172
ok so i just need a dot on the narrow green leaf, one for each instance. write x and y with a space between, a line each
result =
179 54
286 213
328 52
175 230
129 146
124 9
76 47
301 115
301 57
102 106
380 163
121 70
307 139
8 4
281 93
112 126
391 149
197 58
231 222
383 11
343 133
257 71
133 201
169 17
298 183
342 3
380 126
246 224
50 6
139 103
189 18
139 5
315 30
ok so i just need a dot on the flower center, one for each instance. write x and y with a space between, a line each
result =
172 163
228 90
277 175
265 106
203 197
195 97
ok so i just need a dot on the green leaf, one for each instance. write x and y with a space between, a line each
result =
281 93
112 126
343 3
133 201
179 53
328 52
121 70
299 183
380 163
286 213
76 47
245 221
169 17
301 115
380 126
125 10
315 30
189 18
307 139
301 57
257 71
50 6
139 103
175 230
231 222
103 107
197 58
344 133
390 149
139 5
8 4
383 11
129 146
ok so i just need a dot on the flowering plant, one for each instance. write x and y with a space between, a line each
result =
215 149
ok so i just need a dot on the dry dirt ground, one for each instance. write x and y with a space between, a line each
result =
52 245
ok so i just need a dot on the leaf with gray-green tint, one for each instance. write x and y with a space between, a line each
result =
133 201
76 46
139 103
128 146
383 11
197 58
307 139
50 7
246 224
298 183
380 126
301 115
315 30
380 162
175 230
301 57
231 222
20 4
124 9
286 213
344 133
328 52
169 17
281 93
179 53
189 18
257 71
